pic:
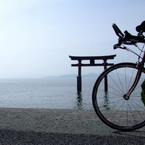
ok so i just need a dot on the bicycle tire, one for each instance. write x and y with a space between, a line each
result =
111 107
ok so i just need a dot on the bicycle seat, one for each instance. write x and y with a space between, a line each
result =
141 27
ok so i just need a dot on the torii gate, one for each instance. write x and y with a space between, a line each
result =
91 63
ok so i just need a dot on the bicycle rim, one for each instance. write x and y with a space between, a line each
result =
110 105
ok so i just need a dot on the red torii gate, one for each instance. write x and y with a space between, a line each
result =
91 63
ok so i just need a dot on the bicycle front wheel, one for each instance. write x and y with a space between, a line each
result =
109 101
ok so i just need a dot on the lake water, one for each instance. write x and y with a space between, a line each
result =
57 93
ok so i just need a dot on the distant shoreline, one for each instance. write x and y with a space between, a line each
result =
69 76
89 75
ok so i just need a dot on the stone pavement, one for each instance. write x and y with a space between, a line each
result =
51 126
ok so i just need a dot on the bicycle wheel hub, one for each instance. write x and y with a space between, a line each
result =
126 97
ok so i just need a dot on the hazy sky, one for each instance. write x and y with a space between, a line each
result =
37 36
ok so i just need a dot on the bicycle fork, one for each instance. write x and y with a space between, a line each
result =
138 75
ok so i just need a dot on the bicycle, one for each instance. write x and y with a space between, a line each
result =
120 105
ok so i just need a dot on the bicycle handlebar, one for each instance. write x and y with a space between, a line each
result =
127 38
117 31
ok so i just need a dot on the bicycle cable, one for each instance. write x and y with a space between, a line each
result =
141 50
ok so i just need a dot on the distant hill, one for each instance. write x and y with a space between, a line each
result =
90 75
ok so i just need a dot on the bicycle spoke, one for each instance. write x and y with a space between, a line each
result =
116 84
131 79
110 93
120 81
135 114
138 104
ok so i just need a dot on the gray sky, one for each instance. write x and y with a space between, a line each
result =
37 36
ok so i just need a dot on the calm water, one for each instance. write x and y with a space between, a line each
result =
46 93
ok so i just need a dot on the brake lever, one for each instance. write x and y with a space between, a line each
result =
118 46
115 46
